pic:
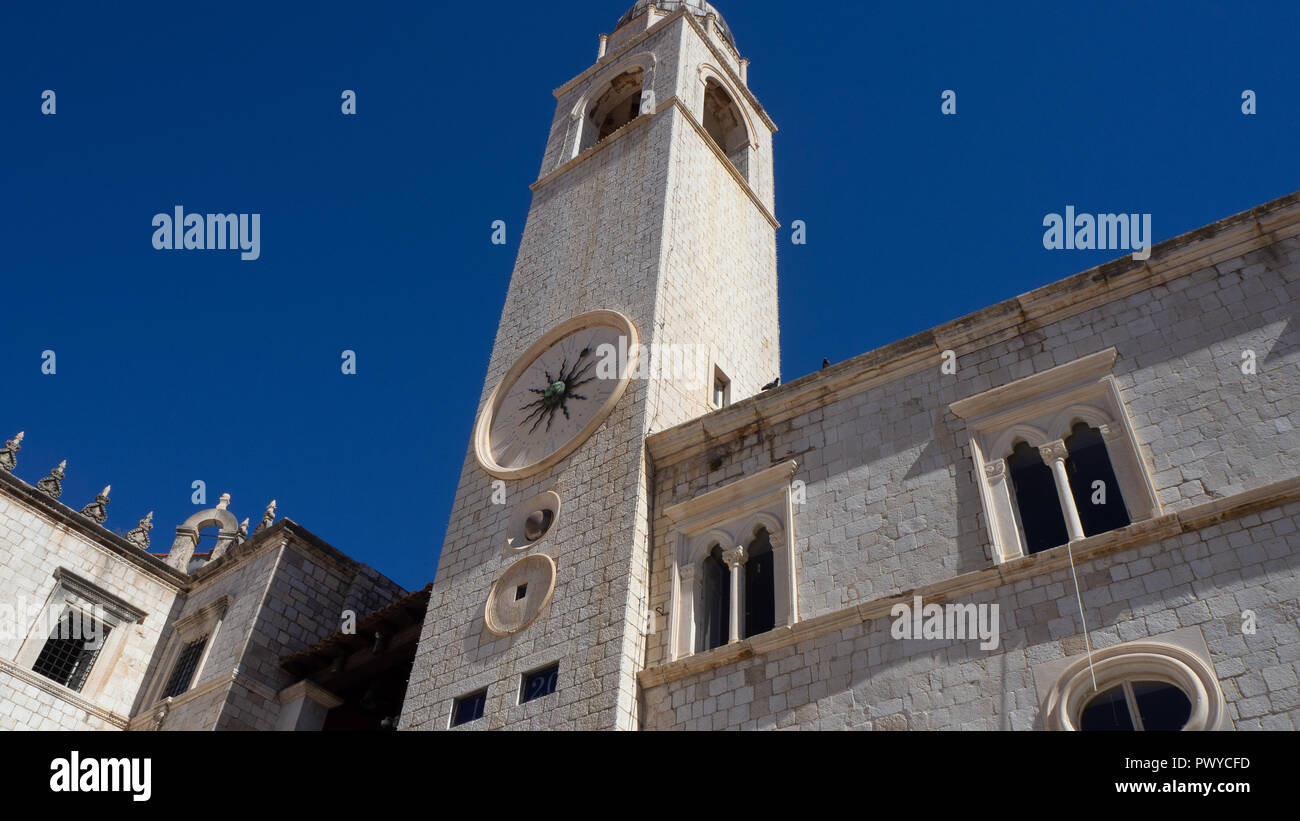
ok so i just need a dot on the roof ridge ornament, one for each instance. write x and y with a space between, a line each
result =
268 518
52 485
139 535
242 535
9 453
223 502
97 510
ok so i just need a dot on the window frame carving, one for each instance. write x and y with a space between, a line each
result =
1041 410
1173 659
203 623
72 591
730 517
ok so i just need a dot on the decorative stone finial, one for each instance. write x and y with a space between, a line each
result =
242 535
52 485
223 502
98 509
139 535
268 518
9 453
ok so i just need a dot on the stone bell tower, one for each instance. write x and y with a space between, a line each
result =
651 228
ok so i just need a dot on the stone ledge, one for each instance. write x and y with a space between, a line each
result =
96 534
63 693
1048 561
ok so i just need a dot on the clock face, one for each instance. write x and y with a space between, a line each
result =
556 395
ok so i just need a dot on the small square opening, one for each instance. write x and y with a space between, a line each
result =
468 708
539 683
521 591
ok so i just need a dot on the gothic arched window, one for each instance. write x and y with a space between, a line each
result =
1036 499
715 577
760 585
726 125
1101 507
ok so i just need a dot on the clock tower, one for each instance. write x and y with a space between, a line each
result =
644 295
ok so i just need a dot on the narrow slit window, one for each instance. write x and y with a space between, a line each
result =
721 389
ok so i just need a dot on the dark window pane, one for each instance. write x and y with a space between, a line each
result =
1108 711
1036 499
71 650
540 683
468 708
1162 706
183 672
1089 462
760 586
716 629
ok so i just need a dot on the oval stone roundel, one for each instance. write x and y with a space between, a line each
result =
520 595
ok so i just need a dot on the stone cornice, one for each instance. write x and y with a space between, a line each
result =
284 533
235 676
63 693
119 608
309 690
1092 366
1188 520
1187 253
96 534
727 496
211 611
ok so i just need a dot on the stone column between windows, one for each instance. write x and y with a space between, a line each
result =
1054 453
1002 515
735 559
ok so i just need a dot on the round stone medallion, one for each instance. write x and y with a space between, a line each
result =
520 595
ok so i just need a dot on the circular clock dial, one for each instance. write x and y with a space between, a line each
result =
556 395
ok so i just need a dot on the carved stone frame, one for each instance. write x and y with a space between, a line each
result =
729 517
1040 410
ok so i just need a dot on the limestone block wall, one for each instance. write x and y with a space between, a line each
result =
860 677
286 594
245 582
594 241
892 501
717 296
588 245
35 543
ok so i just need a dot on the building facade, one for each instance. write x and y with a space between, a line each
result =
101 634
1073 509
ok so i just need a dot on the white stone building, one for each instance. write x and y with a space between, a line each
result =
97 633
1105 471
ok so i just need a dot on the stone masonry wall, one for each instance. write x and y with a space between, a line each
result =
594 241
860 677
891 496
32 547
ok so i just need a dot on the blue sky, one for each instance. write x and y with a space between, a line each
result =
375 233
